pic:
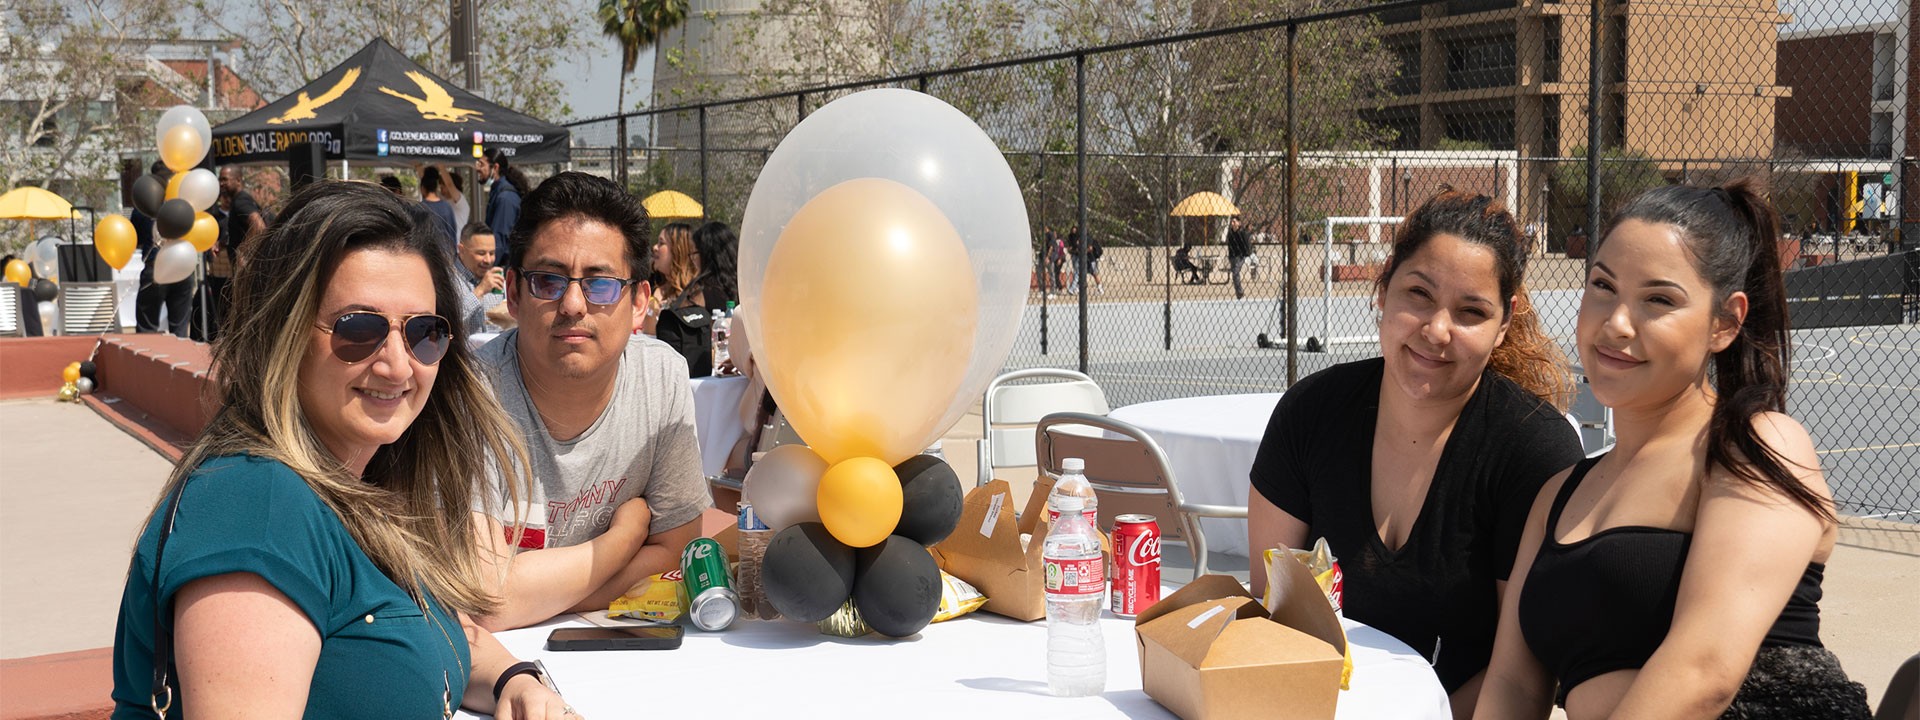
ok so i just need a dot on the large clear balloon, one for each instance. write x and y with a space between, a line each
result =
46 258
927 145
181 148
175 262
114 239
200 188
867 321
185 116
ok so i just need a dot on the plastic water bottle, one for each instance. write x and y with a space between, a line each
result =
722 327
1076 591
754 537
1073 483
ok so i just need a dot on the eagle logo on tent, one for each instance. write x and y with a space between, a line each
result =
304 106
437 103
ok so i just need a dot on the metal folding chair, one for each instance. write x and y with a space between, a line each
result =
1008 412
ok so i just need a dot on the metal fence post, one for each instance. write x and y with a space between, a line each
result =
620 168
1286 235
1596 56
703 156
1080 183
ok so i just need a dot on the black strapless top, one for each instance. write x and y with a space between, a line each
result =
1605 603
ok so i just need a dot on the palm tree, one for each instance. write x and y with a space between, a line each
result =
637 24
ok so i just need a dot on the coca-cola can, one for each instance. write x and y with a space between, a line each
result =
1136 564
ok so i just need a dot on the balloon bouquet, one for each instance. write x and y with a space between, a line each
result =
884 261
178 206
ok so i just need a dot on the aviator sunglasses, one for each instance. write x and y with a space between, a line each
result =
358 335
599 290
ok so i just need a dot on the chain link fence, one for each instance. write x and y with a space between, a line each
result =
1324 129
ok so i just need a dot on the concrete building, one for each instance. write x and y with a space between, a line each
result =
1849 119
1689 82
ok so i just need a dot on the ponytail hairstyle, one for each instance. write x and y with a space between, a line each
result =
505 169
1732 236
1527 356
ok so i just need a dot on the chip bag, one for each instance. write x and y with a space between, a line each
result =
1326 573
660 598
957 598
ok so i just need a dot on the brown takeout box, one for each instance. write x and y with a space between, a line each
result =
985 551
1210 651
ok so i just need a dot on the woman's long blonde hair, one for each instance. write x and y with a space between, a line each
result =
683 261
411 509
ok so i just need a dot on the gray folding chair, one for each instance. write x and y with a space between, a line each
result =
1009 410
1130 474
88 308
10 324
1902 701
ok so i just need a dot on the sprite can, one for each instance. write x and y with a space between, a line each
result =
712 603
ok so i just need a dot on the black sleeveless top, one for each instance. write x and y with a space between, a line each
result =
1605 603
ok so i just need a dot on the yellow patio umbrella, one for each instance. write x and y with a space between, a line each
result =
672 204
1205 204
32 203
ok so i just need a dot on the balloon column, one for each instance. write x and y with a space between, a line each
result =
177 206
884 260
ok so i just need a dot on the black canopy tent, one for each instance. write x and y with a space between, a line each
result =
381 107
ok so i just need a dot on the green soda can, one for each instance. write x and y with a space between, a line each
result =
712 603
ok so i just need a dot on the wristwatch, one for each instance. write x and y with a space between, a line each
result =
535 668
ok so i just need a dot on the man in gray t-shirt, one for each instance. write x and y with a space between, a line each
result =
607 416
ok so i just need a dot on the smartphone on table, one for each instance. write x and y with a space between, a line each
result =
653 637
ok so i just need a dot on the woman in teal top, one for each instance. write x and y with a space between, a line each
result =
312 555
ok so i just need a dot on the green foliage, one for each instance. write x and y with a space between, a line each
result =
1624 174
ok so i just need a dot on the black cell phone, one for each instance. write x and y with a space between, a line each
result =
658 637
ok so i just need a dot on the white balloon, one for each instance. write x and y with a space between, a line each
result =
200 188
928 145
782 486
190 116
175 262
45 256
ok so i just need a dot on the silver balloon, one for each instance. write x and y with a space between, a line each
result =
189 116
200 188
49 317
84 386
175 262
782 486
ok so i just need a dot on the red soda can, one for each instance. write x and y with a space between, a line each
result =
1337 588
1136 564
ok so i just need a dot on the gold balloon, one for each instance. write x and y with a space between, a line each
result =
18 272
860 501
71 373
868 315
114 239
68 392
173 185
181 149
204 233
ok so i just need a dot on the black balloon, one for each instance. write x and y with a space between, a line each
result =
174 219
930 499
44 290
86 369
898 590
148 194
806 573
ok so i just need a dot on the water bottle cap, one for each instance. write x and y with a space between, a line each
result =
730 305
1069 503
1073 465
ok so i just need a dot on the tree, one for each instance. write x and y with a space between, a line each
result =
291 42
636 25
71 95
1624 174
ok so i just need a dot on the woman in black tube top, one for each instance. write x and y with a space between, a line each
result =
1678 576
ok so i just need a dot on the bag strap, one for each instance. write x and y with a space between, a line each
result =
692 285
162 639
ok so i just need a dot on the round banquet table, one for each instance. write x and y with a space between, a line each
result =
716 419
1210 442
979 666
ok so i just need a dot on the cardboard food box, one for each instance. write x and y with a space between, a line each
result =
985 550
1211 652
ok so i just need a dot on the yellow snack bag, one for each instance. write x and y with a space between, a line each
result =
957 598
660 598
1326 574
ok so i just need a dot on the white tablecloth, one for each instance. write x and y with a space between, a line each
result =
716 413
980 667
1210 442
716 418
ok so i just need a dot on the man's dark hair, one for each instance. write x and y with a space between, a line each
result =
160 170
577 195
391 183
474 228
429 183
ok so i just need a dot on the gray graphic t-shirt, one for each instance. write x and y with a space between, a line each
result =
643 445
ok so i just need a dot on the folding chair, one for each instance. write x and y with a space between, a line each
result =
1007 404
1130 474
1902 700
10 311
88 308
1593 421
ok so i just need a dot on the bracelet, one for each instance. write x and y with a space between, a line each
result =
517 669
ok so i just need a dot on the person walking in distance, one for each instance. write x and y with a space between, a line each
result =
1239 248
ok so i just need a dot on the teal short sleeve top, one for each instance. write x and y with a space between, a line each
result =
380 654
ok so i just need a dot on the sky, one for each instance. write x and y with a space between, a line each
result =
590 75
